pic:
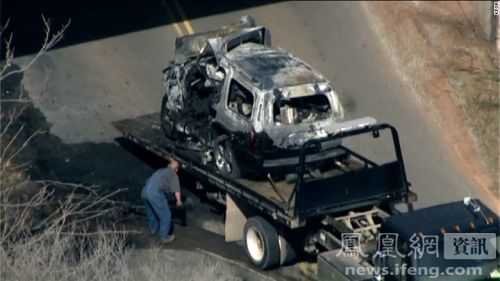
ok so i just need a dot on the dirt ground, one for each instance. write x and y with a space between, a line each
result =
443 56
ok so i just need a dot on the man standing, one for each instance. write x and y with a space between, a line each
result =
163 183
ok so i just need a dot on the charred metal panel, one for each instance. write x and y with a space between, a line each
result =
282 102
378 183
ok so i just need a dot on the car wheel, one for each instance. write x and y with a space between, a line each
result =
261 243
224 158
167 124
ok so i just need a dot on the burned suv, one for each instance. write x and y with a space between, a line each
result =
245 105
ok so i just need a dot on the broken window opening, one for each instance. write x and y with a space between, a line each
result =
256 36
240 100
198 100
302 109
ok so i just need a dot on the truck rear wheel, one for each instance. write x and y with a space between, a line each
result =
261 243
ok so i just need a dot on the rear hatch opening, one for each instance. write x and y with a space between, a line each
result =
304 109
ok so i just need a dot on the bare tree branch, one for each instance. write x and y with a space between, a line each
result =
25 143
49 41
50 230
16 100
4 27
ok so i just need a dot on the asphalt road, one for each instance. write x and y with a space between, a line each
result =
92 83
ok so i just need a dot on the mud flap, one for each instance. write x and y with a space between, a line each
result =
235 221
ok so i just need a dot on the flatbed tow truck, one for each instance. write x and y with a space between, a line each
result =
314 211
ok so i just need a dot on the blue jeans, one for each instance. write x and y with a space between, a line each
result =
158 213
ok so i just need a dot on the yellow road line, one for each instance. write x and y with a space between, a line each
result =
178 29
176 26
186 23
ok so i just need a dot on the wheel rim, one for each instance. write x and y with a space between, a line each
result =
255 244
221 160
228 157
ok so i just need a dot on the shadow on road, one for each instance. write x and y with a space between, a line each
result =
92 20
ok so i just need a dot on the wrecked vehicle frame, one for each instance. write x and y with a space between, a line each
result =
246 105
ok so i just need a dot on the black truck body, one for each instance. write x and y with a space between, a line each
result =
308 212
291 203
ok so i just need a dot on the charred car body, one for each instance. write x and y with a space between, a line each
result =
243 103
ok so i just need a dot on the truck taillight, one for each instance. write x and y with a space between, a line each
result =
253 143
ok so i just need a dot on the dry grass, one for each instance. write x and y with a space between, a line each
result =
454 72
61 231
49 256
161 264
49 230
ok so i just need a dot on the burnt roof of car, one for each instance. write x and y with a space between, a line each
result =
271 68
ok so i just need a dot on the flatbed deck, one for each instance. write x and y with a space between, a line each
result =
339 187
146 132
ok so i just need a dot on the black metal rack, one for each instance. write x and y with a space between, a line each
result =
307 199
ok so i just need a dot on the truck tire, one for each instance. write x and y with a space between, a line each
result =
225 160
287 252
261 243
167 125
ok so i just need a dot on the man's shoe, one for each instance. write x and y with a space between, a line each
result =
168 240
153 232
